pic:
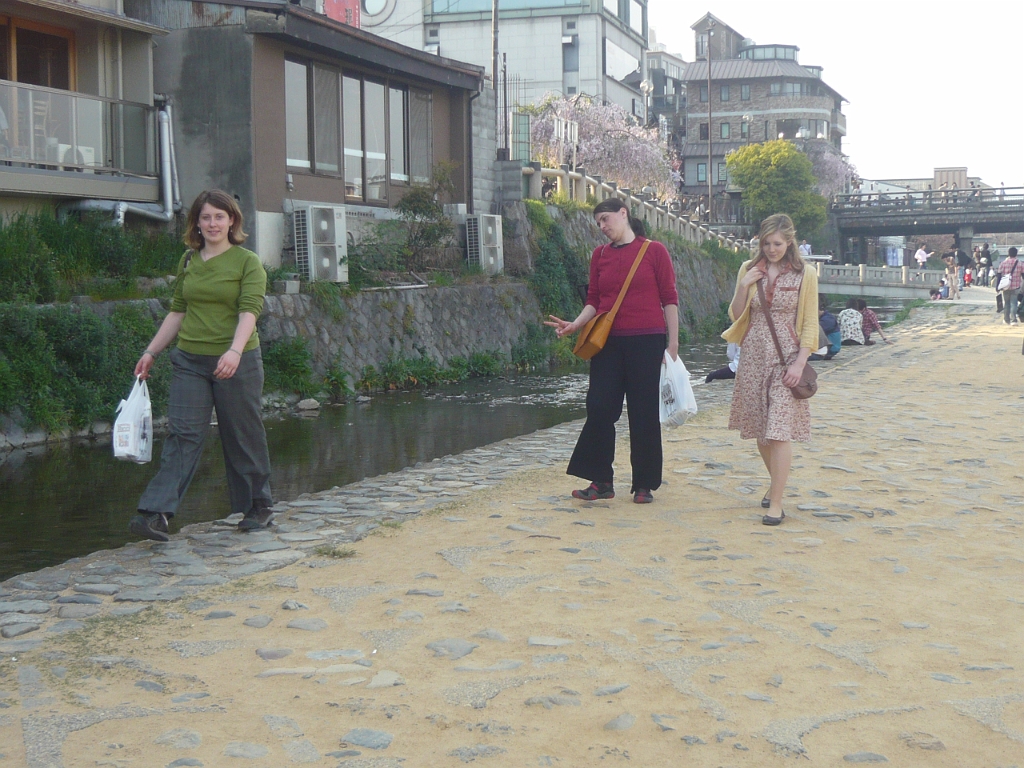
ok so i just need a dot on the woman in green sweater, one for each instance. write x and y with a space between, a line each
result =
217 363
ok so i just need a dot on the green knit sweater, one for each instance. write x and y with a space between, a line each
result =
212 294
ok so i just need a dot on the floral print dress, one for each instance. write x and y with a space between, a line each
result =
762 406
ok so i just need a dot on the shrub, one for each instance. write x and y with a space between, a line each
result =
287 367
43 258
60 367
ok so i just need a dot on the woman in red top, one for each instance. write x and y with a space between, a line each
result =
630 363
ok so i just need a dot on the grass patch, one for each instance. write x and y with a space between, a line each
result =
904 313
288 367
338 553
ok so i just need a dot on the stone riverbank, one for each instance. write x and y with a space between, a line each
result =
468 610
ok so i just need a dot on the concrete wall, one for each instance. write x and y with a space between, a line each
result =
485 142
208 73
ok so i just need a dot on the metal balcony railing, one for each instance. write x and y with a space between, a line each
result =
50 129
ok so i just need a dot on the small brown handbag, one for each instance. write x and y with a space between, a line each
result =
809 379
595 333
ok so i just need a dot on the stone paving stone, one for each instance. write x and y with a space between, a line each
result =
245 750
368 738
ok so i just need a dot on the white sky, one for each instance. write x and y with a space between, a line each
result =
930 83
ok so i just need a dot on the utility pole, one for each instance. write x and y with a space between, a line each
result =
711 32
494 44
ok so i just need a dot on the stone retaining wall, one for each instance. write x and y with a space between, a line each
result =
440 323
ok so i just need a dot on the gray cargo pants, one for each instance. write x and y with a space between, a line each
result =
194 392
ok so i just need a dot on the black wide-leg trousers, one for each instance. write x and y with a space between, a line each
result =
630 367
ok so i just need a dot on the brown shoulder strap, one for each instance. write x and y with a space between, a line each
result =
771 325
629 278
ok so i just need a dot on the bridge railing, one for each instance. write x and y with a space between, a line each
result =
972 199
862 274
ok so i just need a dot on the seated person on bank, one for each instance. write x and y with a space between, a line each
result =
830 325
729 371
851 325
870 323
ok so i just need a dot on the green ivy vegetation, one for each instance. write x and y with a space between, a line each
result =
400 372
62 368
43 259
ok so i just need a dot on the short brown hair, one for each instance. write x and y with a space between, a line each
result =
222 201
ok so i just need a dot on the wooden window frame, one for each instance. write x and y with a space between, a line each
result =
14 24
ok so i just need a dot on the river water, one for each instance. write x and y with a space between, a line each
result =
70 500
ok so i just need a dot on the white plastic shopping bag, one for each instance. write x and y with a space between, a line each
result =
677 400
133 429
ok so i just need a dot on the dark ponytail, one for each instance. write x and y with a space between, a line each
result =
615 204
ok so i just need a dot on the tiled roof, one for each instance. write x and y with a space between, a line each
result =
748 69
718 148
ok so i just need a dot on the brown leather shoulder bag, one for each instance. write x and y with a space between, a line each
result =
594 335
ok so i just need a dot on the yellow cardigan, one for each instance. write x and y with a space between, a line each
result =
806 313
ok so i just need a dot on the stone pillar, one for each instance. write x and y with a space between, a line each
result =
536 183
906 275
965 238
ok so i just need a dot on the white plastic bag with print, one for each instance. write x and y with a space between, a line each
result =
133 429
677 401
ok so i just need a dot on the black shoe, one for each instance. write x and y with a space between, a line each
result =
595 491
769 520
149 525
255 518
643 496
765 502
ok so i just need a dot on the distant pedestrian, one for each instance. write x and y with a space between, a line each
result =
805 248
218 296
922 256
630 363
963 262
775 283
1009 284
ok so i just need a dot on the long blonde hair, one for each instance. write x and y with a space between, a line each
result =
782 224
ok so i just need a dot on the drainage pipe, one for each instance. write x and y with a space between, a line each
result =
154 211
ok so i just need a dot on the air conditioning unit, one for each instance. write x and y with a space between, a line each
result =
484 244
321 246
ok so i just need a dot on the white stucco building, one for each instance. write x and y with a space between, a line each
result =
561 46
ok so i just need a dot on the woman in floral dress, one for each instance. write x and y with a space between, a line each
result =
763 406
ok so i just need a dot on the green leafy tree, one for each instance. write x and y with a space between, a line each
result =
776 177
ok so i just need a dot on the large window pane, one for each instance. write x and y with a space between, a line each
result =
398 117
421 139
296 114
636 16
353 111
376 141
327 120
618 61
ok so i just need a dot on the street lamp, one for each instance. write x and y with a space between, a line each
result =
711 31
747 120
646 87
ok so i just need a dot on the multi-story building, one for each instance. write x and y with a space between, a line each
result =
77 114
553 46
757 93
668 94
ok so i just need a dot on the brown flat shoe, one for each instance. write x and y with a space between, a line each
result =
769 520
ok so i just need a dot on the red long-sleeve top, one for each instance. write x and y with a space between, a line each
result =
652 289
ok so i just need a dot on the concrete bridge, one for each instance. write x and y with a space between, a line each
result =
960 212
888 282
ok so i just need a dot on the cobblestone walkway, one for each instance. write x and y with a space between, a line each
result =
468 610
